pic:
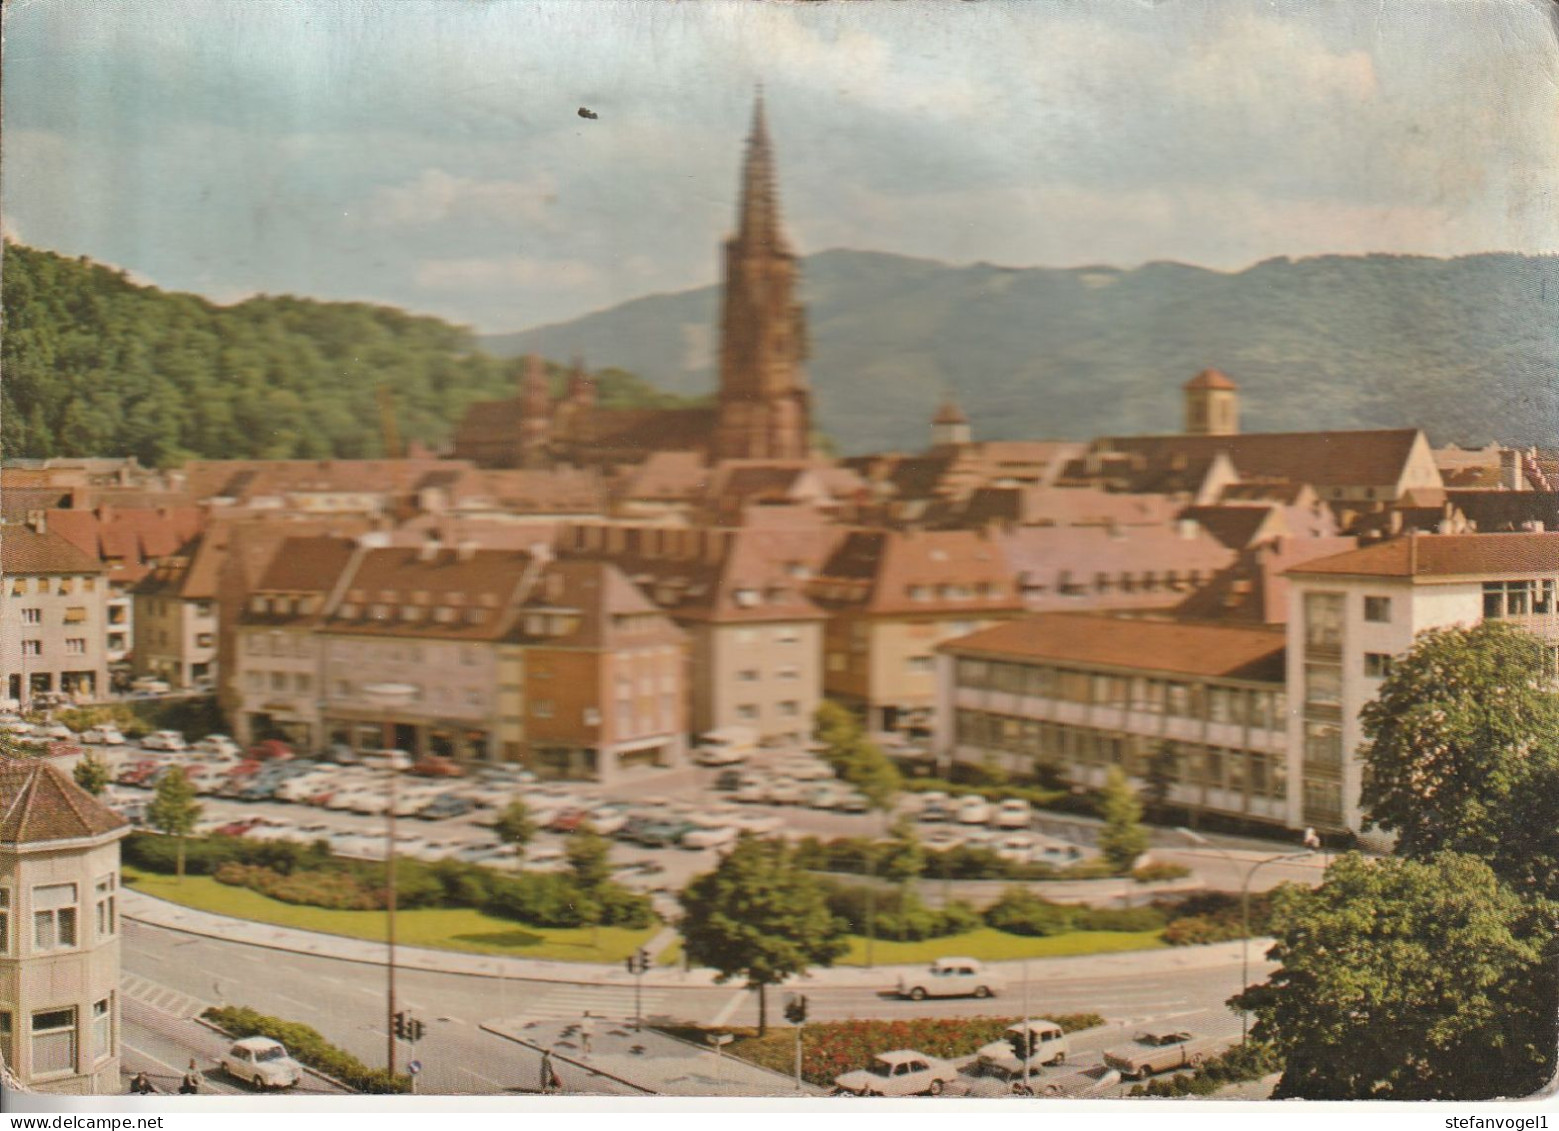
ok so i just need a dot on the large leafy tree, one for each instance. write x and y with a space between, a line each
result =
1123 838
1462 752
174 810
760 917
1408 980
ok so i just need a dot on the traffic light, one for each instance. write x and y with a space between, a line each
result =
401 1027
638 962
796 1009
414 1030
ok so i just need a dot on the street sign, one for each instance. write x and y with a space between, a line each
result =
414 1067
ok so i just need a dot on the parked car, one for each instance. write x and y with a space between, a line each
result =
1159 1050
1013 813
934 806
59 732
1036 1042
269 750
752 793
445 806
952 977
663 834
759 824
903 1072
436 766
853 801
806 769
608 819
104 735
726 747
973 810
218 745
720 836
150 685
786 791
729 781
568 820
262 1062
170 740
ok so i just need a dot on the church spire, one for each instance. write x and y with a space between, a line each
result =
758 220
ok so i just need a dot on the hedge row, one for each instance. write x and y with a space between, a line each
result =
309 874
1250 1061
308 1047
863 856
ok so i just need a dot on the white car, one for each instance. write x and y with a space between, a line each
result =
103 736
721 836
151 685
218 745
1039 1041
808 770
262 1062
973 810
170 740
951 977
903 1072
829 795
786 791
1014 813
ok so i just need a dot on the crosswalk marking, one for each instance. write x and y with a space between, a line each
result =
160 997
609 1002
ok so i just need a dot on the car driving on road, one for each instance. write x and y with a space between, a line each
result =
951 977
1159 1050
903 1072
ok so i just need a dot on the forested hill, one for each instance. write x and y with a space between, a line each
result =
1467 348
94 364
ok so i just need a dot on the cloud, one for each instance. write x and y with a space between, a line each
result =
436 196
506 271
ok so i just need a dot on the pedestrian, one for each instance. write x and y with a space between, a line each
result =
141 1085
586 1031
193 1080
550 1080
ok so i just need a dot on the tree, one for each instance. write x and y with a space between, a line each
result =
1160 774
516 826
760 917
903 859
91 774
1408 980
173 810
589 861
1123 838
1462 752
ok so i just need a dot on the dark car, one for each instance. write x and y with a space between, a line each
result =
729 780
445 806
663 834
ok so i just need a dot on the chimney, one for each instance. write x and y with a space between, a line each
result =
38 521
1511 477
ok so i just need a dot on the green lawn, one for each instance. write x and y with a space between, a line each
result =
991 945
458 928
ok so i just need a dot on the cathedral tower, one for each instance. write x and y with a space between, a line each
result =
765 407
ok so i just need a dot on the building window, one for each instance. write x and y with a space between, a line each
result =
1518 598
76 614
54 1041
204 640
748 675
54 916
787 635
789 709
32 616
301 682
1323 746
1323 621
1323 685
102 1028
278 681
789 671
836 661
107 915
75 646
747 712
255 681
5 920
254 645
1377 610
747 636
1377 665
6 1050
32 647
918 665
541 708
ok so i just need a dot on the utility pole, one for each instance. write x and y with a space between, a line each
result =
389 696
796 1014
638 965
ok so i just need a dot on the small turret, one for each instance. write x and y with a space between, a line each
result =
1212 405
949 427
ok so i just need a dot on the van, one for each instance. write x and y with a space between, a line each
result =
726 746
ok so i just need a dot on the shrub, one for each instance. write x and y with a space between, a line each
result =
203 855
1157 871
333 890
901 916
1249 1061
308 1047
1209 917
1120 919
1021 912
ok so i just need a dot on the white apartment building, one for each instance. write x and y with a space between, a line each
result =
1351 614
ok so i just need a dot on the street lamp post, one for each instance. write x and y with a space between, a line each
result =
390 695
1250 874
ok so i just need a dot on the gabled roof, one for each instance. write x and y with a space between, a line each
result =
1326 459
24 550
896 572
1445 556
38 803
1097 639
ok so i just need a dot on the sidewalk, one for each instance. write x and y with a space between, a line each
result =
160 913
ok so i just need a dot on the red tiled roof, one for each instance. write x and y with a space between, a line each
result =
1100 640
1369 458
1445 555
24 550
38 803
877 570
949 413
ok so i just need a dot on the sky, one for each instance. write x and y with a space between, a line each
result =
430 154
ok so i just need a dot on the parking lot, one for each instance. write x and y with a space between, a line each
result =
666 826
